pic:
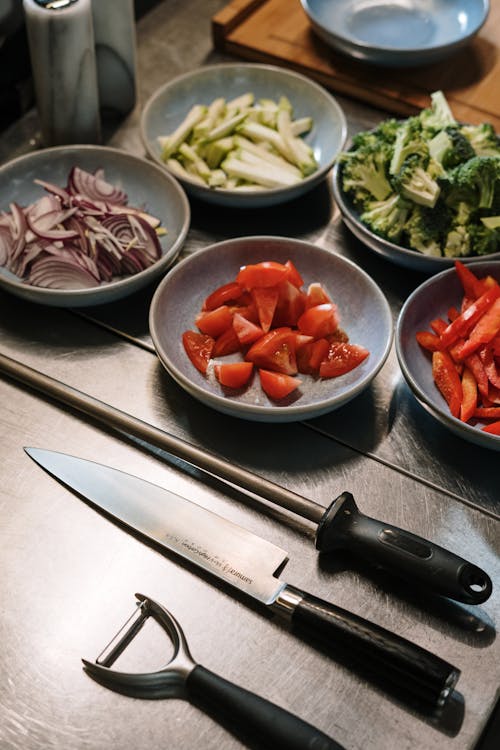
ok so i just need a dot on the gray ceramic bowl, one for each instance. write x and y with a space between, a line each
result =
170 104
397 34
364 311
145 184
403 256
430 300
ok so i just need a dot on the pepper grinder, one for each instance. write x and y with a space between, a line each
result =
61 43
115 46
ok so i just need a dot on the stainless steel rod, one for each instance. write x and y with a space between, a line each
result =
120 420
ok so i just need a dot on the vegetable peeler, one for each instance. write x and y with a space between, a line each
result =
247 714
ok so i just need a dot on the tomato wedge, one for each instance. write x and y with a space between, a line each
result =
316 295
230 292
227 343
342 358
214 322
246 331
319 321
311 355
266 273
233 374
199 348
291 304
265 299
275 351
277 385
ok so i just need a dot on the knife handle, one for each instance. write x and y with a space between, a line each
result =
405 669
405 554
255 717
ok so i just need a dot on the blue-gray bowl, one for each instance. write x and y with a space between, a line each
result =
167 108
430 300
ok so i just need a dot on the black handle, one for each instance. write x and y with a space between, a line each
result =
405 554
405 669
246 714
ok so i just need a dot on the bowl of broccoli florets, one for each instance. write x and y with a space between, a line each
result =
423 191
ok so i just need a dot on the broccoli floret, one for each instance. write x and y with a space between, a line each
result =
427 228
439 115
474 182
482 138
450 148
415 183
408 142
363 175
457 242
484 240
386 218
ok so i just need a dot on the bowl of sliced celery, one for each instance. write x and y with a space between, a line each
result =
244 135
424 191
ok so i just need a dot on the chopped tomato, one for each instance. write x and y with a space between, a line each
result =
291 304
294 276
265 299
199 348
227 343
277 385
319 321
233 374
316 295
246 331
341 358
266 273
311 355
226 293
214 322
275 351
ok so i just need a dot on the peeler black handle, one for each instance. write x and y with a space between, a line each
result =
404 554
248 715
416 676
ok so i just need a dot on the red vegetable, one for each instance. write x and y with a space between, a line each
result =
277 327
465 353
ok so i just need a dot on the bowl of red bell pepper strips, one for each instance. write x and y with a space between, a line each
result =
448 347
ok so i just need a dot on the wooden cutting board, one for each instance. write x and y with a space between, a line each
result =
279 32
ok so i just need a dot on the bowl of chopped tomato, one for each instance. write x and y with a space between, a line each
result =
448 347
270 328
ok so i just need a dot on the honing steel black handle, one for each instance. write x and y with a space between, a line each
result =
407 670
253 716
405 554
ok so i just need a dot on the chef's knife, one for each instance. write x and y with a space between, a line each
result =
244 560
340 526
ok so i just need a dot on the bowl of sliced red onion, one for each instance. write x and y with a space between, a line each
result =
87 225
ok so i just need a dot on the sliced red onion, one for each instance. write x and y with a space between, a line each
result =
94 187
79 237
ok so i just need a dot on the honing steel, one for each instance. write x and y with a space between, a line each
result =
249 563
182 677
340 526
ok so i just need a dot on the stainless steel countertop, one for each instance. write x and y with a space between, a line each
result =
69 576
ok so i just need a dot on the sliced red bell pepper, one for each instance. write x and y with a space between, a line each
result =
439 325
487 412
469 317
486 356
493 428
486 328
476 366
469 395
447 380
428 340
473 286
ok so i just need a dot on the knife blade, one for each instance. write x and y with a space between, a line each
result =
249 563
340 526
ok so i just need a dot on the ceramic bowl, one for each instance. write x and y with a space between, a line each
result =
167 108
396 33
431 300
402 256
364 313
146 185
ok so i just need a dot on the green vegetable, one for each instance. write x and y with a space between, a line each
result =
427 182
241 144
